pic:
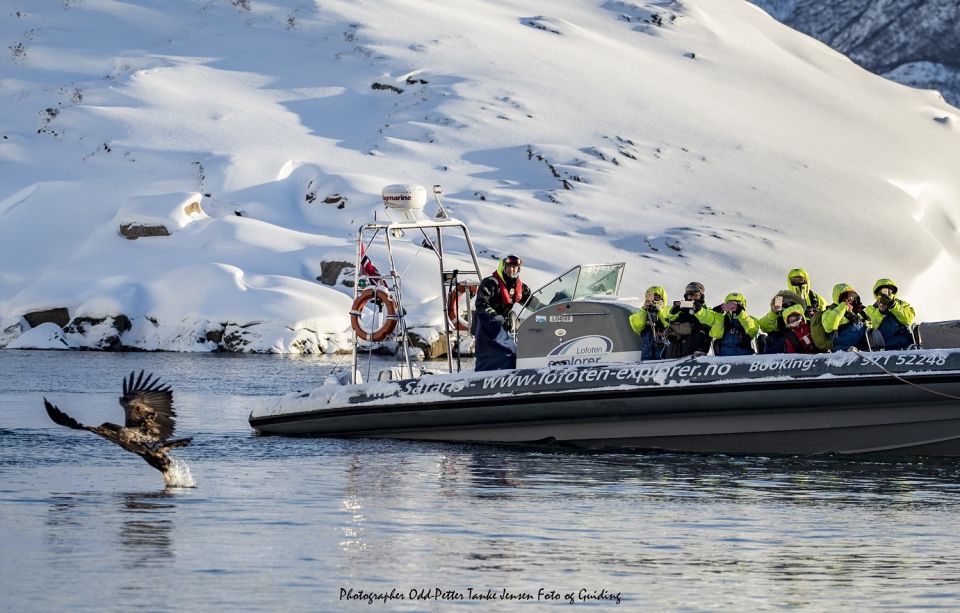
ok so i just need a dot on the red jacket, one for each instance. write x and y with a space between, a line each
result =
799 340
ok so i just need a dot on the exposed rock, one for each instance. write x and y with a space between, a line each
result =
389 347
271 337
334 272
429 341
307 345
135 230
78 325
214 336
467 345
914 42
388 87
101 333
122 323
59 316
193 208
337 199
234 338
146 333
10 333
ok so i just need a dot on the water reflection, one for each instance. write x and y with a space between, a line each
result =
283 523
144 534
147 527
62 524
351 503
665 518
709 479
494 472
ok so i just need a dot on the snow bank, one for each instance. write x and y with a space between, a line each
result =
691 140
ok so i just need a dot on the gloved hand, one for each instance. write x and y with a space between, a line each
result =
697 305
739 309
508 325
675 308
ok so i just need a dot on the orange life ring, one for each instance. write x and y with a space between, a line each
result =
453 301
384 300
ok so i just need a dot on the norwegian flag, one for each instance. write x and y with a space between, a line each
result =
367 266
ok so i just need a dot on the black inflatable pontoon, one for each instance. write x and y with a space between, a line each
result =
903 402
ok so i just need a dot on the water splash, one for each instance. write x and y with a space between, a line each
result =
179 475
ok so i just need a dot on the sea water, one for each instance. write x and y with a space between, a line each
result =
284 524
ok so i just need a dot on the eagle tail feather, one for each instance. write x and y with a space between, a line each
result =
180 442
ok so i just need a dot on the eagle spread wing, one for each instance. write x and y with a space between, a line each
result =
148 406
61 418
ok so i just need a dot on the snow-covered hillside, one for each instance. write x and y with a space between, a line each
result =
694 140
910 42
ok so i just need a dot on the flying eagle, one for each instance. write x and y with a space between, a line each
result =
149 424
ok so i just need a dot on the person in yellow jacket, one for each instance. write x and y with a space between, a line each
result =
891 316
689 323
773 325
841 325
648 323
733 329
798 281
798 337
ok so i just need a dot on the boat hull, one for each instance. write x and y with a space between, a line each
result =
839 405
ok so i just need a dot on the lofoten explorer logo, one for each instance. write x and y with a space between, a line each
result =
581 350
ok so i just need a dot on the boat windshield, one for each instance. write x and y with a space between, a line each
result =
583 281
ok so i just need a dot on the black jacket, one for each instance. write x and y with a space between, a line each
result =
495 349
490 297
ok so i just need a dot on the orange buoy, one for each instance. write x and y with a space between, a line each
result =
383 300
462 292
